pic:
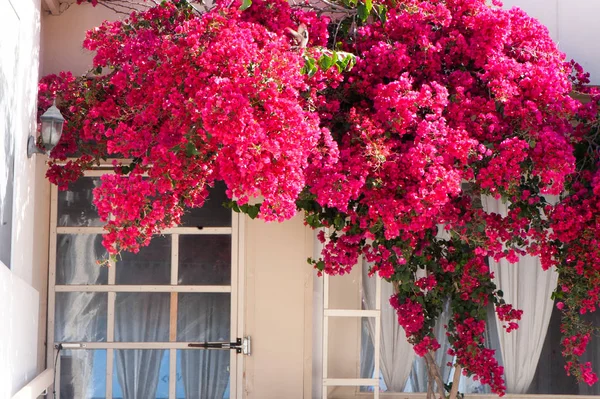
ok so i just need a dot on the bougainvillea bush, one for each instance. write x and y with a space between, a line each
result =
384 128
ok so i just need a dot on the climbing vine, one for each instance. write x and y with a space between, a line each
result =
383 122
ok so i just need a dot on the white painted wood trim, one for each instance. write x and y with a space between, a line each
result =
174 258
174 230
99 173
377 293
325 344
137 345
143 288
233 323
239 238
110 316
106 165
350 313
349 382
325 291
377 343
110 361
423 395
377 354
172 372
36 386
50 351
309 323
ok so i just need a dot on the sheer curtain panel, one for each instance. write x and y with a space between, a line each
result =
527 287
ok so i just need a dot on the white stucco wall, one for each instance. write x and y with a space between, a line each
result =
22 287
19 312
573 25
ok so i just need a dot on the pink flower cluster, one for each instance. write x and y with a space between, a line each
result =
472 355
410 315
188 114
446 101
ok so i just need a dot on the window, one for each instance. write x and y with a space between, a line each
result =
130 324
352 367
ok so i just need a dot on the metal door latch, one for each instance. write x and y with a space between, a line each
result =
241 345
247 346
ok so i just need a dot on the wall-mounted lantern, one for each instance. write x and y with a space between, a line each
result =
52 125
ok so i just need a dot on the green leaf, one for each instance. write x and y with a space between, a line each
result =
253 211
231 204
362 12
339 222
326 62
190 149
245 5
320 265
310 66
381 12
344 61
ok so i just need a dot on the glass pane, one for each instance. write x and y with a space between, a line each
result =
203 317
80 317
550 377
83 374
77 257
204 374
205 260
75 207
142 316
150 266
142 374
212 213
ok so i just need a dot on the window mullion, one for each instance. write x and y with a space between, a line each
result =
110 328
51 352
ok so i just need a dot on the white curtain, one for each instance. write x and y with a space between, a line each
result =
527 287
78 314
418 374
396 354
140 317
367 351
204 318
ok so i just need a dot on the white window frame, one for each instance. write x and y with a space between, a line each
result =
236 289
323 353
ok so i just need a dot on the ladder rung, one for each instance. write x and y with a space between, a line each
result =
350 382
350 313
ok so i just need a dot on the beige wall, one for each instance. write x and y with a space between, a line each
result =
278 310
63 35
